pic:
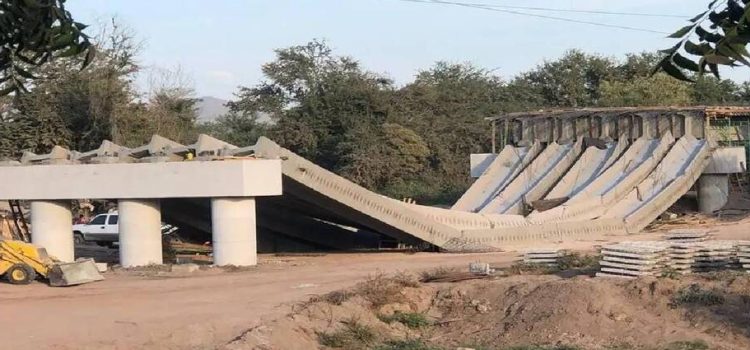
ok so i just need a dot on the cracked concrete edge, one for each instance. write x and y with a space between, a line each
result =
386 210
679 157
508 237
671 193
539 189
504 201
639 173
582 170
586 205
494 179
573 182
466 220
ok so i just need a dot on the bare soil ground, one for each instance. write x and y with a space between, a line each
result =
216 308
585 312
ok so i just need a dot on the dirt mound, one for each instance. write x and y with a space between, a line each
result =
590 313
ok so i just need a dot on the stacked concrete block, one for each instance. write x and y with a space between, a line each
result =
548 257
680 257
687 235
742 252
633 259
713 256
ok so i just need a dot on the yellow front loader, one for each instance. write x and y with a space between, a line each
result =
21 263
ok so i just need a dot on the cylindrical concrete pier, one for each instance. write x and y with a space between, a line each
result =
51 228
233 225
713 192
140 232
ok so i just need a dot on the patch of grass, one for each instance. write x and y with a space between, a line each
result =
723 275
695 295
413 320
354 335
621 346
544 347
570 261
670 273
381 290
531 269
687 345
412 344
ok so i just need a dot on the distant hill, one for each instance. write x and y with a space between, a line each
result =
209 108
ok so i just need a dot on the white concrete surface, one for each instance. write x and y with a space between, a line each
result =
140 232
713 192
727 160
234 231
229 178
51 228
479 162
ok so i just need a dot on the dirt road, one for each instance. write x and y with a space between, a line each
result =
207 308
200 311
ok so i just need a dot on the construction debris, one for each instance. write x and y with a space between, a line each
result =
654 258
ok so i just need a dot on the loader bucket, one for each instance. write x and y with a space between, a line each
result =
71 274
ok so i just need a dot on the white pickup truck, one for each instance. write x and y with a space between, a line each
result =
104 231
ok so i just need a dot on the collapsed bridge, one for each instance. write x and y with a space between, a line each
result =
560 175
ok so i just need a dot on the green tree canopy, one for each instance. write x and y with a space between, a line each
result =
717 36
33 33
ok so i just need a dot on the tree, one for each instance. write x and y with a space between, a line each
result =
34 33
723 42
659 90
708 90
236 128
314 98
90 103
572 80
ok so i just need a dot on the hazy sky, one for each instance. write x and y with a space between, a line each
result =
221 44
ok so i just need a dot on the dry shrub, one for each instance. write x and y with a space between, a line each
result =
336 297
354 335
577 261
381 290
531 269
436 273
695 295
413 320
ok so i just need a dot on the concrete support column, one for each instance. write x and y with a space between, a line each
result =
140 232
527 132
713 192
567 131
650 127
51 228
234 236
605 129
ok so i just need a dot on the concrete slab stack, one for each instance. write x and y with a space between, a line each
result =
743 255
687 235
680 257
713 256
633 259
547 257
